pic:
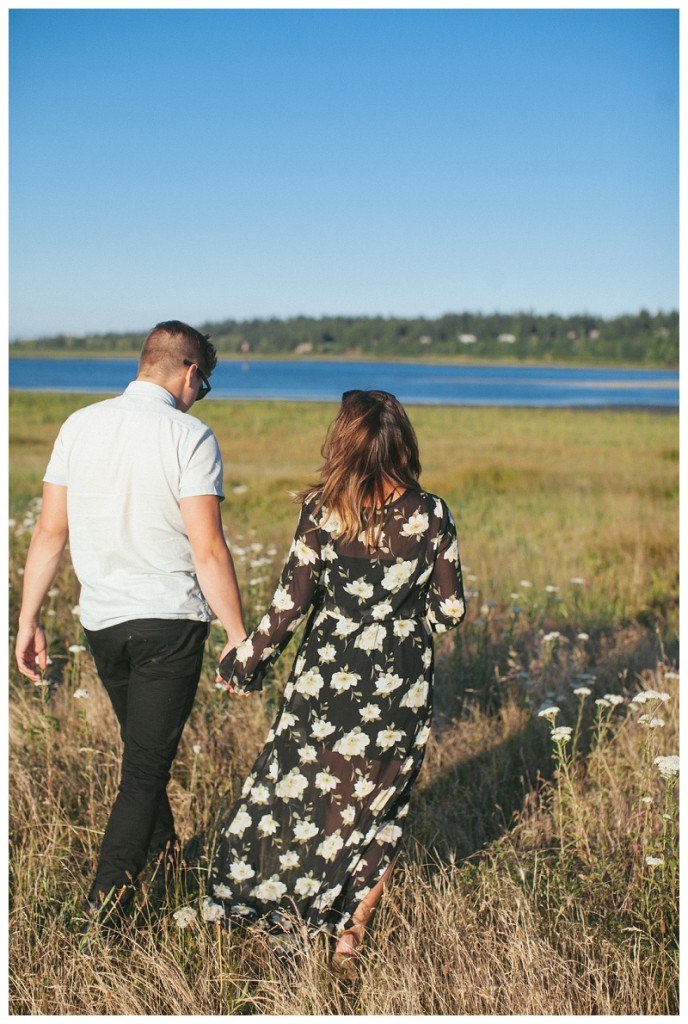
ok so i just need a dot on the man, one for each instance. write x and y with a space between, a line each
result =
135 483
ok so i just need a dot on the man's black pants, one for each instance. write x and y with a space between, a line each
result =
150 669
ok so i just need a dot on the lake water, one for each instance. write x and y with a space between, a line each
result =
412 383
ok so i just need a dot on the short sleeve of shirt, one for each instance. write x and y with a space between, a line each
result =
56 473
202 472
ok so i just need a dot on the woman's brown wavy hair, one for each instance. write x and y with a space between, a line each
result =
370 445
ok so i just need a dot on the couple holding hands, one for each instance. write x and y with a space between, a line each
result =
134 484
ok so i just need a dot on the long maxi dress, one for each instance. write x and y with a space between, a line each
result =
319 819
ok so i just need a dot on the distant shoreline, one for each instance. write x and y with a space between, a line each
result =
461 360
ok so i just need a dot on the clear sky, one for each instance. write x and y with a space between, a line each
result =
206 164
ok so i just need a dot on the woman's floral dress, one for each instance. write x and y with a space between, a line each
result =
319 819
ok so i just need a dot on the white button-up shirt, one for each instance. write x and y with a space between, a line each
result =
126 462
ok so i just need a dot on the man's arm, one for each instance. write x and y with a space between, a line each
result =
42 562
214 565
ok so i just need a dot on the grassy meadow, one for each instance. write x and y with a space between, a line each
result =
540 865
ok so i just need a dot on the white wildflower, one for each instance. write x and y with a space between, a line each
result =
212 912
654 862
614 698
582 691
645 695
562 733
548 711
668 766
81 694
583 636
184 917
651 722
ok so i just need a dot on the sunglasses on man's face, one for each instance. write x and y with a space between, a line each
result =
205 387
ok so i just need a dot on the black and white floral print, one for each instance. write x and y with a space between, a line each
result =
319 819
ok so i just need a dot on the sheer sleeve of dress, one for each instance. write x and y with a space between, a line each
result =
244 668
446 606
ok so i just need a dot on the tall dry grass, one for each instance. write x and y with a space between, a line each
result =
539 873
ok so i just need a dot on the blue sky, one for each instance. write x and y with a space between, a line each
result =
252 163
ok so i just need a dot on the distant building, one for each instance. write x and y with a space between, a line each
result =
508 338
425 339
245 347
467 339
303 348
593 334
572 335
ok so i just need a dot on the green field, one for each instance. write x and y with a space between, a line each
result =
525 887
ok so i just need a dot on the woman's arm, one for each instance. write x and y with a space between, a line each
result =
245 668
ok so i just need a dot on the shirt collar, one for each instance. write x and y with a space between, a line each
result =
145 389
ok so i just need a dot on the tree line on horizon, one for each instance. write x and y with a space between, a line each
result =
641 338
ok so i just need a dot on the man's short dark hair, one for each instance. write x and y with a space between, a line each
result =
196 346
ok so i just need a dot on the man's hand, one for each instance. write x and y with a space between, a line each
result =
227 649
31 650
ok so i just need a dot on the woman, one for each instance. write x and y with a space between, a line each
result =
317 827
